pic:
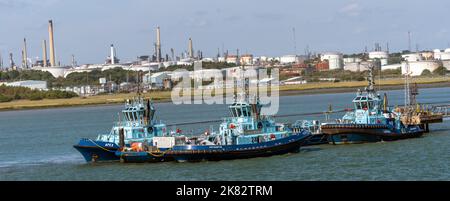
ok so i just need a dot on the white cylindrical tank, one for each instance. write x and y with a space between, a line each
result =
445 56
391 67
335 60
288 59
417 67
378 55
349 60
412 57
352 66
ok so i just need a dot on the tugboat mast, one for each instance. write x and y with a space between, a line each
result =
370 88
407 88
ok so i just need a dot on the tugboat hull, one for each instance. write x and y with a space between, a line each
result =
96 151
194 153
358 133
317 139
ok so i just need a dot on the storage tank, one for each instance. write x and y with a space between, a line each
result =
335 59
417 67
381 55
349 60
445 56
412 57
288 59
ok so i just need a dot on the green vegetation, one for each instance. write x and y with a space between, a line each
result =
426 72
205 65
11 76
117 75
440 71
8 93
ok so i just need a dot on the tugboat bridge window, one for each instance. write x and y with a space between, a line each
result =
363 103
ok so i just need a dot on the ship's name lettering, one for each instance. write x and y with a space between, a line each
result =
109 145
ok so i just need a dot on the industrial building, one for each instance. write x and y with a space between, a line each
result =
156 80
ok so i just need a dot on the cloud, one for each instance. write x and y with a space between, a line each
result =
352 9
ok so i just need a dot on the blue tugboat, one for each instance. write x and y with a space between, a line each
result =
137 125
246 134
371 121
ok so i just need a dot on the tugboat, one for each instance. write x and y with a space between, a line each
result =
246 134
371 121
138 125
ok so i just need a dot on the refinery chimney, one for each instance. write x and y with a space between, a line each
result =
51 43
191 49
44 52
11 61
25 55
158 45
113 55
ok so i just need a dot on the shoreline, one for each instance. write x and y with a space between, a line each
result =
164 96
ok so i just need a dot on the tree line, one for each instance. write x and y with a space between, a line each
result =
9 93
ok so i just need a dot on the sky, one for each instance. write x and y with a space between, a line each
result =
260 27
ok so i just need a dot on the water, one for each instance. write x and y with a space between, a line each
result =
37 145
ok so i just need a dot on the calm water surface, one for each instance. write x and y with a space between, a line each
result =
37 145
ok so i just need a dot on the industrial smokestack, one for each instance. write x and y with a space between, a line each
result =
172 51
23 60
158 45
74 63
52 44
11 61
191 49
113 55
44 52
25 55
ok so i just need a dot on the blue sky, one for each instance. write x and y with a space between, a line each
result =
87 28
